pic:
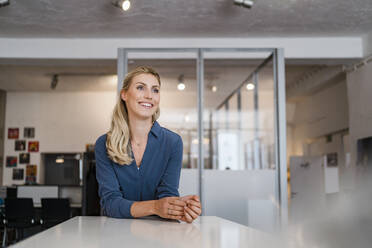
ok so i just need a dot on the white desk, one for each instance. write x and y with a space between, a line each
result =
208 231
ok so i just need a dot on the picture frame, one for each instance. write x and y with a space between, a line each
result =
13 133
11 161
18 174
33 146
24 158
29 132
19 145
31 171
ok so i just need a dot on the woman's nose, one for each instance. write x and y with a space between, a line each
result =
148 94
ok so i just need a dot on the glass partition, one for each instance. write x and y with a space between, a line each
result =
230 116
240 129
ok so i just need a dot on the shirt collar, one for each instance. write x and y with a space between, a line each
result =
155 129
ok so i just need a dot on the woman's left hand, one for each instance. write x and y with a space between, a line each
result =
192 208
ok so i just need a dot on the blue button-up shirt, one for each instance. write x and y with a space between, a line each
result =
157 177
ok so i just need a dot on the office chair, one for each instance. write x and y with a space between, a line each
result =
54 211
19 215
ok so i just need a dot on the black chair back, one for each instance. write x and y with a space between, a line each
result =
56 209
19 209
19 214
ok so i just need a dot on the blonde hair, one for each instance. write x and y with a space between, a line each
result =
118 146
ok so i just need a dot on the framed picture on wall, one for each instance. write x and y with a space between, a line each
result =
13 133
20 145
29 132
18 174
24 158
31 170
11 161
33 146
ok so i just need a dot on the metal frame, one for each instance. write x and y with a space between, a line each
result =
277 56
280 132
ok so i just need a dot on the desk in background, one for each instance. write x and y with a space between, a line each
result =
207 231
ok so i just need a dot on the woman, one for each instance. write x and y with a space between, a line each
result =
138 161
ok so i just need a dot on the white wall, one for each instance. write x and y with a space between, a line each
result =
359 85
320 114
64 122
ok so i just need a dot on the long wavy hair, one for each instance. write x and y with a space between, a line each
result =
118 137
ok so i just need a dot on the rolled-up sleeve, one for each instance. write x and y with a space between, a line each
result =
169 182
112 201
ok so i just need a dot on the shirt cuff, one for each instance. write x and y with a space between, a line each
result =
125 209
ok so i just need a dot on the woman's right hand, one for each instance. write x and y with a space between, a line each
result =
170 208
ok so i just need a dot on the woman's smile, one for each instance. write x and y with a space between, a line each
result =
146 105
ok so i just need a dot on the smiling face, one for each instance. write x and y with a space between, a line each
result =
142 97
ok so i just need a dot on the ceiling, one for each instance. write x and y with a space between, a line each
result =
191 18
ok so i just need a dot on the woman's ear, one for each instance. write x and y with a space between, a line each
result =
123 95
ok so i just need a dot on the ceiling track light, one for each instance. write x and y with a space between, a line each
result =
244 3
4 3
181 86
122 4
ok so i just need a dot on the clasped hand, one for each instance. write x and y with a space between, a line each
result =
186 208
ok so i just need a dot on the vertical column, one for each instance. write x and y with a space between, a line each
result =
240 136
210 136
200 77
257 157
2 133
227 115
280 133
122 68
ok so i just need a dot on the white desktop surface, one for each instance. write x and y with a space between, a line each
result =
207 231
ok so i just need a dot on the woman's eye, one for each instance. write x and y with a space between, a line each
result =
139 87
155 90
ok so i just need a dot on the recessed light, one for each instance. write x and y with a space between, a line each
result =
250 86
181 86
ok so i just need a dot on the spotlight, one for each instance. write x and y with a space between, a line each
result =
250 86
54 82
244 3
181 86
214 88
4 3
123 4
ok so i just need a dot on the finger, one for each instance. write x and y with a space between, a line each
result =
196 198
188 217
177 202
195 209
191 213
174 212
190 197
174 217
194 212
175 207
194 203
186 197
